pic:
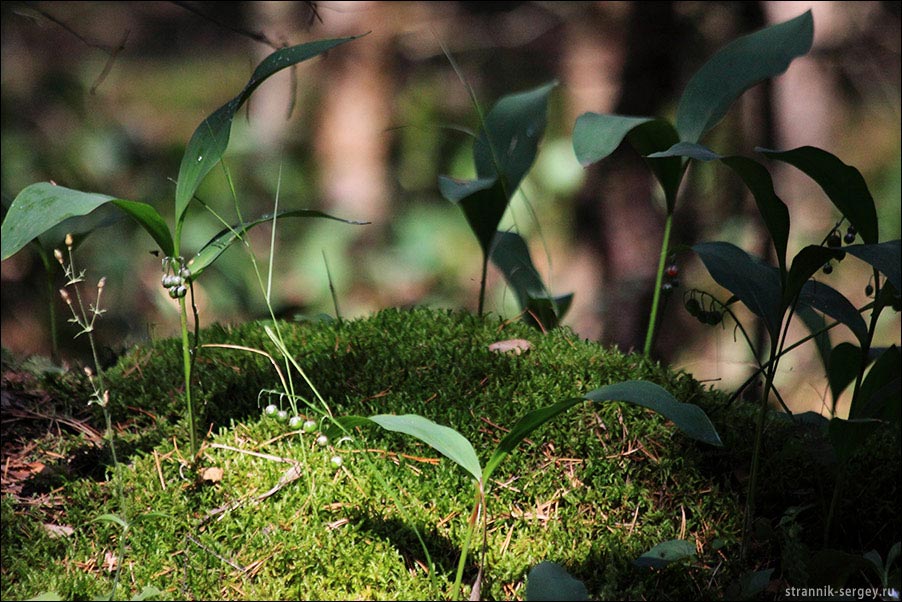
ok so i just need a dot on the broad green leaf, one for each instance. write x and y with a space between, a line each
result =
875 399
224 239
509 139
690 150
42 206
772 209
524 426
827 299
847 436
753 583
550 581
687 417
210 139
842 183
46 597
597 136
834 567
885 256
805 264
511 255
664 553
752 281
483 203
816 324
842 368
442 439
737 67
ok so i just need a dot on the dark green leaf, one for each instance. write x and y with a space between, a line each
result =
664 553
524 426
753 584
210 139
509 139
755 283
875 399
827 299
847 436
483 203
511 255
885 256
773 210
805 264
597 136
737 67
650 137
845 361
687 417
834 567
40 207
816 324
224 239
550 581
842 183
691 150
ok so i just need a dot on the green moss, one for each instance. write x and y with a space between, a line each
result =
592 490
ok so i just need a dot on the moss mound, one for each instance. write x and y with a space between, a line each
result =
592 490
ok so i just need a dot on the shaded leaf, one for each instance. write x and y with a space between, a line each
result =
690 150
772 209
876 397
827 299
664 553
834 567
737 67
847 436
550 581
687 417
885 256
752 281
508 140
845 360
524 426
511 255
42 206
210 139
805 264
483 203
842 183
224 239
596 136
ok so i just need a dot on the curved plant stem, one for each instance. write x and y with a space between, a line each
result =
187 364
656 299
478 511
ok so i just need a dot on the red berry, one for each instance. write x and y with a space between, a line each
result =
672 271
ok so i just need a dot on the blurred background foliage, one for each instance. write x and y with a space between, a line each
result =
103 97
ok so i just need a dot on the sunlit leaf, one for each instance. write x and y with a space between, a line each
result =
842 183
687 417
210 139
664 553
737 67
550 581
226 237
524 426
42 206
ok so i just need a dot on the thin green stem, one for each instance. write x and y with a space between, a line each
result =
659 278
478 511
186 364
485 267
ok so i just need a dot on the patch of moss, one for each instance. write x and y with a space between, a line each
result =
592 490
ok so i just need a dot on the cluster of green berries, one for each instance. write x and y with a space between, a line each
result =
305 425
835 241
176 279
671 274
711 316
